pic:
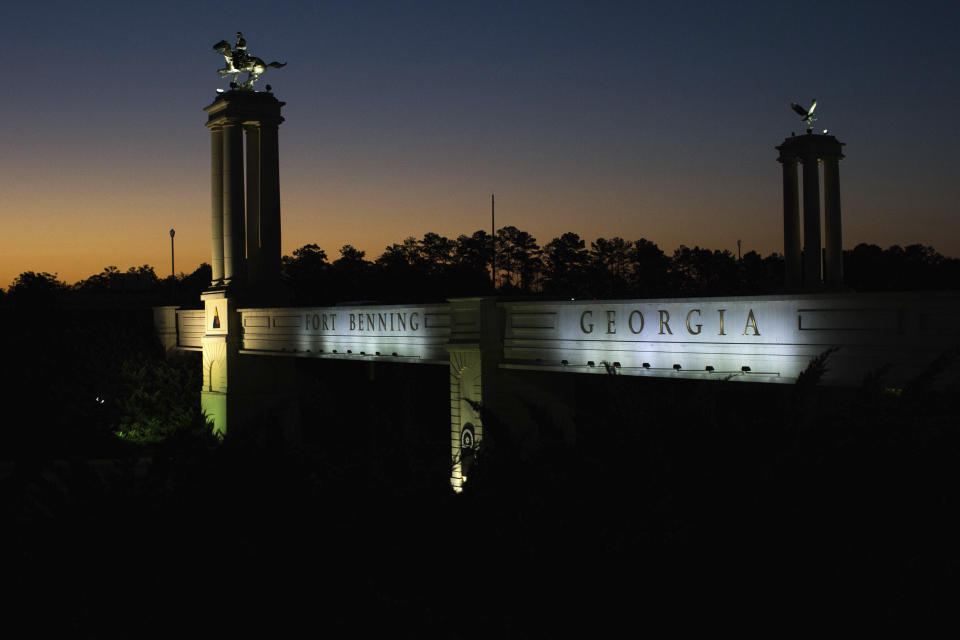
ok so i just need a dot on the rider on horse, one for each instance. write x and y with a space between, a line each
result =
239 61
240 52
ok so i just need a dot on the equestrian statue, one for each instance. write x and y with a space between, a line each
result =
239 61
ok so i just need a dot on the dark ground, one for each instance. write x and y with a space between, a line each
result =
683 503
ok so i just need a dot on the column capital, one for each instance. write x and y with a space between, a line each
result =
811 145
244 107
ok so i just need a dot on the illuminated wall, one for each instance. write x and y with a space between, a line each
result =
761 338
750 339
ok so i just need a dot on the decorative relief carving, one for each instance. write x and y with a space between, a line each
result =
215 366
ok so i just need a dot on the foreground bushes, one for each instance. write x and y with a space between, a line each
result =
713 500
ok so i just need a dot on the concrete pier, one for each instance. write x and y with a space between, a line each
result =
245 255
833 267
818 271
791 224
216 205
245 187
234 258
811 223
253 206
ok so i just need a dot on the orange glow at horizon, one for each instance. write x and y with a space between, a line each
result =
630 120
84 223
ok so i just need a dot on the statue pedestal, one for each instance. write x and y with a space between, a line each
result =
810 269
245 223
245 191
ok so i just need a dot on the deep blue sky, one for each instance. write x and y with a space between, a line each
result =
629 119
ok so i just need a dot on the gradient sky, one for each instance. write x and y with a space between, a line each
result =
636 119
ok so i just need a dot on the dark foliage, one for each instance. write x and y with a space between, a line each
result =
731 501
435 268
138 287
674 496
73 378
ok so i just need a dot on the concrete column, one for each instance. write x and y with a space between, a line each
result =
243 391
466 426
216 205
791 223
269 203
233 218
811 223
475 349
165 325
833 271
254 266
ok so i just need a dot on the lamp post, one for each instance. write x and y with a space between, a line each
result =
173 273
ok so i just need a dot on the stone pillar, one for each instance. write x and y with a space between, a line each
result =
833 271
233 206
475 350
244 391
220 352
791 223
816 270
165 325
240 389
811 222
466 425
249 223
216 205
270 251
254 268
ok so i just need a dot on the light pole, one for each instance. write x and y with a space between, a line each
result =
173 273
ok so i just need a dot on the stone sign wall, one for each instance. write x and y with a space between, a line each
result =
761 338
750 339
408 333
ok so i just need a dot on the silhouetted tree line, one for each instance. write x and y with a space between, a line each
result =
435 268
138 287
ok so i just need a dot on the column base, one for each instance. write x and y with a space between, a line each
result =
254 414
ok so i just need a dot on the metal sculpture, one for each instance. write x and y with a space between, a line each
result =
239 61
806 114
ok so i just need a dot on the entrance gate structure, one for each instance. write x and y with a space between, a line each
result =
486 343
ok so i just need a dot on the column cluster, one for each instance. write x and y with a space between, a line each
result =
245 190
812 268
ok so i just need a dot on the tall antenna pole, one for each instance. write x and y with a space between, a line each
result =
493 243
173 270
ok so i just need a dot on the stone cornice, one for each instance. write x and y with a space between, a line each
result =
811 145
244 107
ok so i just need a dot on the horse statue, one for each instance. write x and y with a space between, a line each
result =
239 61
